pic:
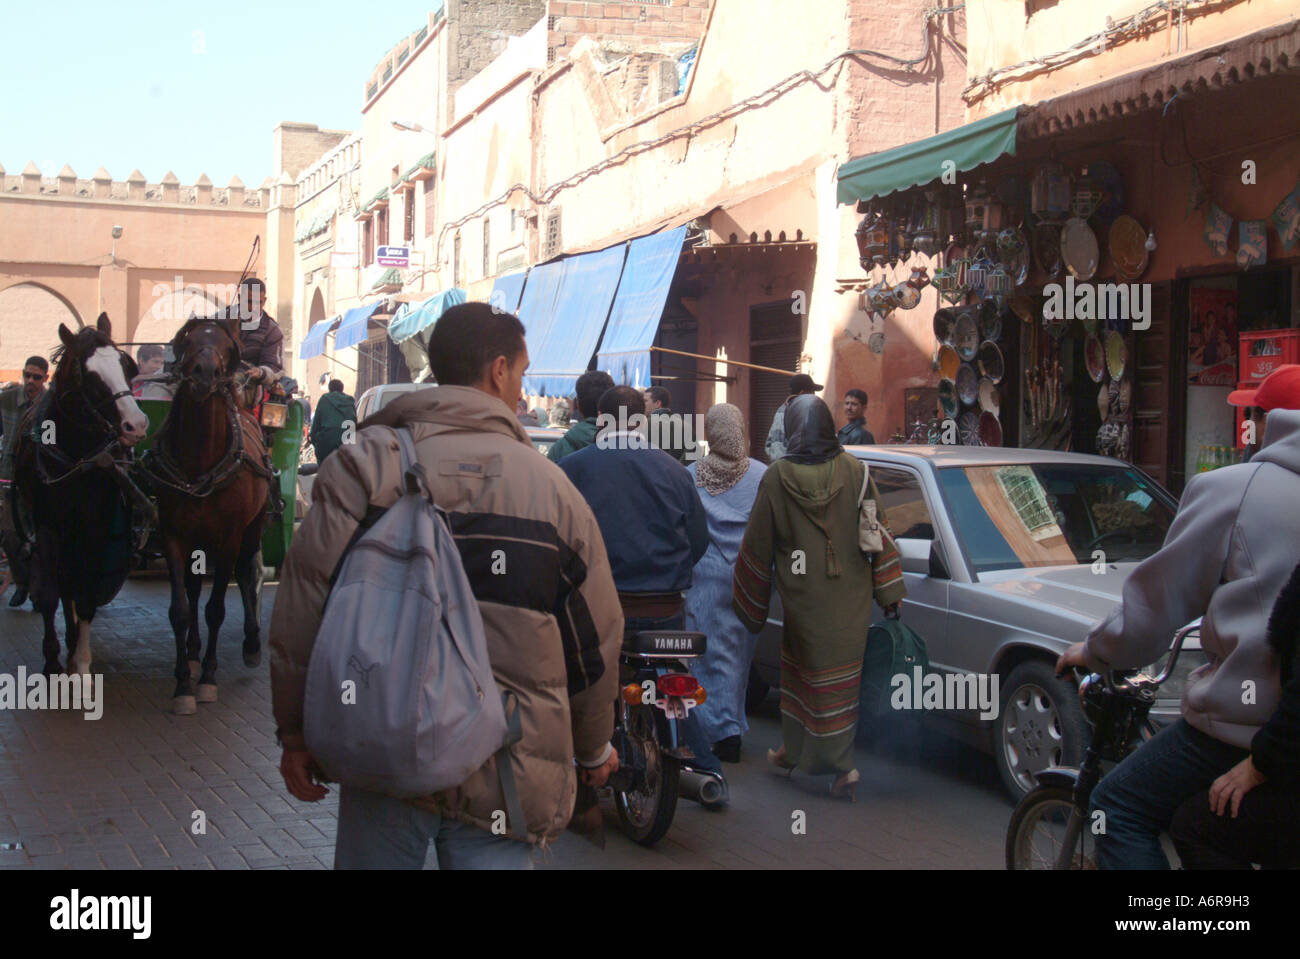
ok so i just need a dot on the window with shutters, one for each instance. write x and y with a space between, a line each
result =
367 244
552 245
487 247
429 208
408 216
381 227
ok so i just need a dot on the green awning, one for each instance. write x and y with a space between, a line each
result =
425 162
390 277
381 195
916 163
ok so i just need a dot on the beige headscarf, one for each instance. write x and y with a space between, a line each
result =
728 459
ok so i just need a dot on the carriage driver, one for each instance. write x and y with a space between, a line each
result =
261 343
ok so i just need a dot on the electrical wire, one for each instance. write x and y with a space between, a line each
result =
1130 27
761 99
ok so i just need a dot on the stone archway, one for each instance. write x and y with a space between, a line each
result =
30 314
168 313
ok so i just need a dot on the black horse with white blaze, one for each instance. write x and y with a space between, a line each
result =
69 467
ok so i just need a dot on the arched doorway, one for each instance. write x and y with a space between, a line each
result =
168 313
318 365
30 315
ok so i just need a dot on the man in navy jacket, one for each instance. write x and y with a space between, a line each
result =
653 524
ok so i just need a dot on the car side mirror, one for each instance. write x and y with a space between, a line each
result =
938 561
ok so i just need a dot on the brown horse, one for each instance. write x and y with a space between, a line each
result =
211 469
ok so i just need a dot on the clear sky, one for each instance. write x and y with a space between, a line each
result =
183 86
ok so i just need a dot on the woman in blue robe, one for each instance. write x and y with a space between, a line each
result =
728 481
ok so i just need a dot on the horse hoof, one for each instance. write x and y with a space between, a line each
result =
184 706
195 669
207 692
253 659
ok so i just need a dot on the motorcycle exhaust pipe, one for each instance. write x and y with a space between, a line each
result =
705 788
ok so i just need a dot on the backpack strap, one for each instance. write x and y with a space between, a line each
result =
506 773
416 481
414 478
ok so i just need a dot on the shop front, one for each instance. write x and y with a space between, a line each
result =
1110 269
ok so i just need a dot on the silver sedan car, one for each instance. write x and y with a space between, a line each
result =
1009 556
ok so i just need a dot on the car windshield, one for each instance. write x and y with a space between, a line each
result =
1017 516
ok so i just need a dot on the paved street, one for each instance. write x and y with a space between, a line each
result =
123 791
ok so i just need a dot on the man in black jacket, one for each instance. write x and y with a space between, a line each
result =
668 430
1251 814
855 432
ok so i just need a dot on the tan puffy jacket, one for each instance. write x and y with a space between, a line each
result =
553 621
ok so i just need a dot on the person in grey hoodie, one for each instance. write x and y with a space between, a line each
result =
1228 554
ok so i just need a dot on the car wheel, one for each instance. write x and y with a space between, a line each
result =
756 691
1040 724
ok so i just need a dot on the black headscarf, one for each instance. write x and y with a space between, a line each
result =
810 431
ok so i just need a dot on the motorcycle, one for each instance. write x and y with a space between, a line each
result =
1049 828
656 696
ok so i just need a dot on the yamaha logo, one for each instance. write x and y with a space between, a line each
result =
674 643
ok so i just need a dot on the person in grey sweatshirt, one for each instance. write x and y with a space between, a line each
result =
1228 554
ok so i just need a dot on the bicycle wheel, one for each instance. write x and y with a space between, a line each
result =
1038 829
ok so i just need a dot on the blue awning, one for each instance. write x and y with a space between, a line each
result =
353 328
313 344
507 291
561 346
638 307
416 319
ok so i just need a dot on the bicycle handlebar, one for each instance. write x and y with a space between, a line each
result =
1177 647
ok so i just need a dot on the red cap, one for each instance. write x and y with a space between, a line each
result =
1280 390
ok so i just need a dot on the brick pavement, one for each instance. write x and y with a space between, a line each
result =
121 792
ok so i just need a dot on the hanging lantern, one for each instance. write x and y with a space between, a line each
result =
908 294
977 200
926 240
1049 195
872 238
1088 196
998 283
945 281
977 275
961 269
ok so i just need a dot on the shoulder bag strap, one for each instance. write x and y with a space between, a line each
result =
866 473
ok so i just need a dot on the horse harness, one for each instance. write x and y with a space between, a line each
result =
162 468
54 467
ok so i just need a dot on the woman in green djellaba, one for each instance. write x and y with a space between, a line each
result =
803 531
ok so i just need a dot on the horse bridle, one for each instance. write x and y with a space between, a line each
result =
106 425
219 382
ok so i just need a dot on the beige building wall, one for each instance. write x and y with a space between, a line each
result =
56 235
1006 33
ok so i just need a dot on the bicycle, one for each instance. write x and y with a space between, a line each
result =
1049 827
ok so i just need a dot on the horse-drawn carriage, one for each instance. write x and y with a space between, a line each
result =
211 471
282 418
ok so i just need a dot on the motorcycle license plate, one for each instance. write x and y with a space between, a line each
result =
675 707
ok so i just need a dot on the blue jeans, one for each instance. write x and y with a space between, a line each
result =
1141 794
690 730
380 832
